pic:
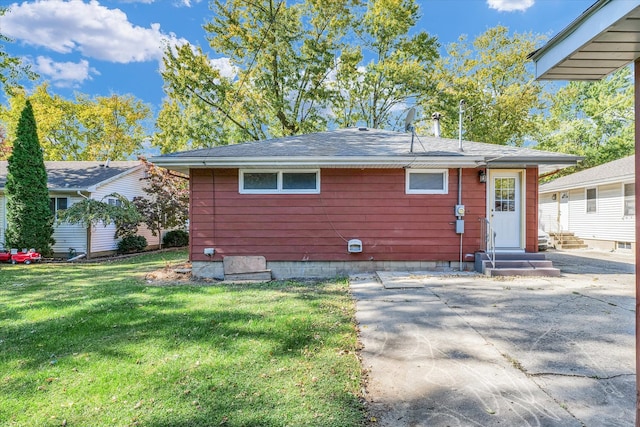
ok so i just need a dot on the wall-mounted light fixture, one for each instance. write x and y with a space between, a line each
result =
482 176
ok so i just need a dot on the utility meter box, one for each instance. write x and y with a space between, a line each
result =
460 226
459 210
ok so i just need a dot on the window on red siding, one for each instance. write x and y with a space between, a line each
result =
284 182
260 181
427 181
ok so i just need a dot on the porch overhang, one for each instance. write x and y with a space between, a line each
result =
605 38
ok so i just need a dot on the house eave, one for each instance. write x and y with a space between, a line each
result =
183 164
550 188
600 41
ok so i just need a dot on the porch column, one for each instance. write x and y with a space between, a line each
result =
636 67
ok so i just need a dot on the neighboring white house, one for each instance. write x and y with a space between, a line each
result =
69 183
598 205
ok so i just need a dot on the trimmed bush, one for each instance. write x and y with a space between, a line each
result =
132 244
175 238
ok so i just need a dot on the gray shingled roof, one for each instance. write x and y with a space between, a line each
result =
361 147
74 176
616 171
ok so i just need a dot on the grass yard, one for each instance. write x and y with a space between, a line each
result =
97 345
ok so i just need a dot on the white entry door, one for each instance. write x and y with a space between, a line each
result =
505 209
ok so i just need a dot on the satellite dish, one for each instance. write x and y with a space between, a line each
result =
408 121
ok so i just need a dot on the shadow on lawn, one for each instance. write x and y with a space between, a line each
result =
97 320
83 317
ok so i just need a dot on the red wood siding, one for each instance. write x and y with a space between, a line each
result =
532 210
369 204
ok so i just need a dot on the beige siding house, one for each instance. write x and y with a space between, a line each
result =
69 183
596 204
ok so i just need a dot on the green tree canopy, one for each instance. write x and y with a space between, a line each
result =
29 218
495 79
293 69
400 68
85 128
590 119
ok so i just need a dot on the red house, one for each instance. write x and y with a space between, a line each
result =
361 199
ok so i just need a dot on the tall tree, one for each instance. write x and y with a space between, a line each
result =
283 56
29 217
294 69
85 128
590 119
399 70
495 79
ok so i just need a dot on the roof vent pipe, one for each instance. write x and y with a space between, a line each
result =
436 124
460 125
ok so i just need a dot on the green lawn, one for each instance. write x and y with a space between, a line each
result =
96 345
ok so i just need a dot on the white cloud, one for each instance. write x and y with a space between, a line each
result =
178 3
225 67
510 5
91 29
64 74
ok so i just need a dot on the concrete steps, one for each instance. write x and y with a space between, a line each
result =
516 264
566 240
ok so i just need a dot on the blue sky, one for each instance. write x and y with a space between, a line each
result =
104 47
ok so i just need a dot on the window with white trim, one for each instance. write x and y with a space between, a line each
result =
624 245
629 199
279 181
592 200
427 181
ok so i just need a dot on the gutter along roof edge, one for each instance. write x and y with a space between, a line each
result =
406 161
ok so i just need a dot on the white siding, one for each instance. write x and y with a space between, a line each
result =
547 212
129 186
607 223
102 238
69 235
66 235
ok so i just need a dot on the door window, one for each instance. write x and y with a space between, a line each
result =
505 195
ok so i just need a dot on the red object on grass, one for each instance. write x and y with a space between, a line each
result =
24 257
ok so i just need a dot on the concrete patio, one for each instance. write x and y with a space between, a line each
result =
469 350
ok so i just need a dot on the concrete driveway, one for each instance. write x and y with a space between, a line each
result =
468 350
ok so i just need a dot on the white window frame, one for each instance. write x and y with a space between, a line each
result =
586 200
279 189
445 181
624 199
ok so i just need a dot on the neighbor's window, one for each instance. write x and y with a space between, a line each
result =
284 182
112 201
427 181
629 199
624 245
592 195
57 204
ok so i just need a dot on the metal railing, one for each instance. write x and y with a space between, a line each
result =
488 240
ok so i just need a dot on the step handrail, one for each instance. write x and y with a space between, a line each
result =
489 240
